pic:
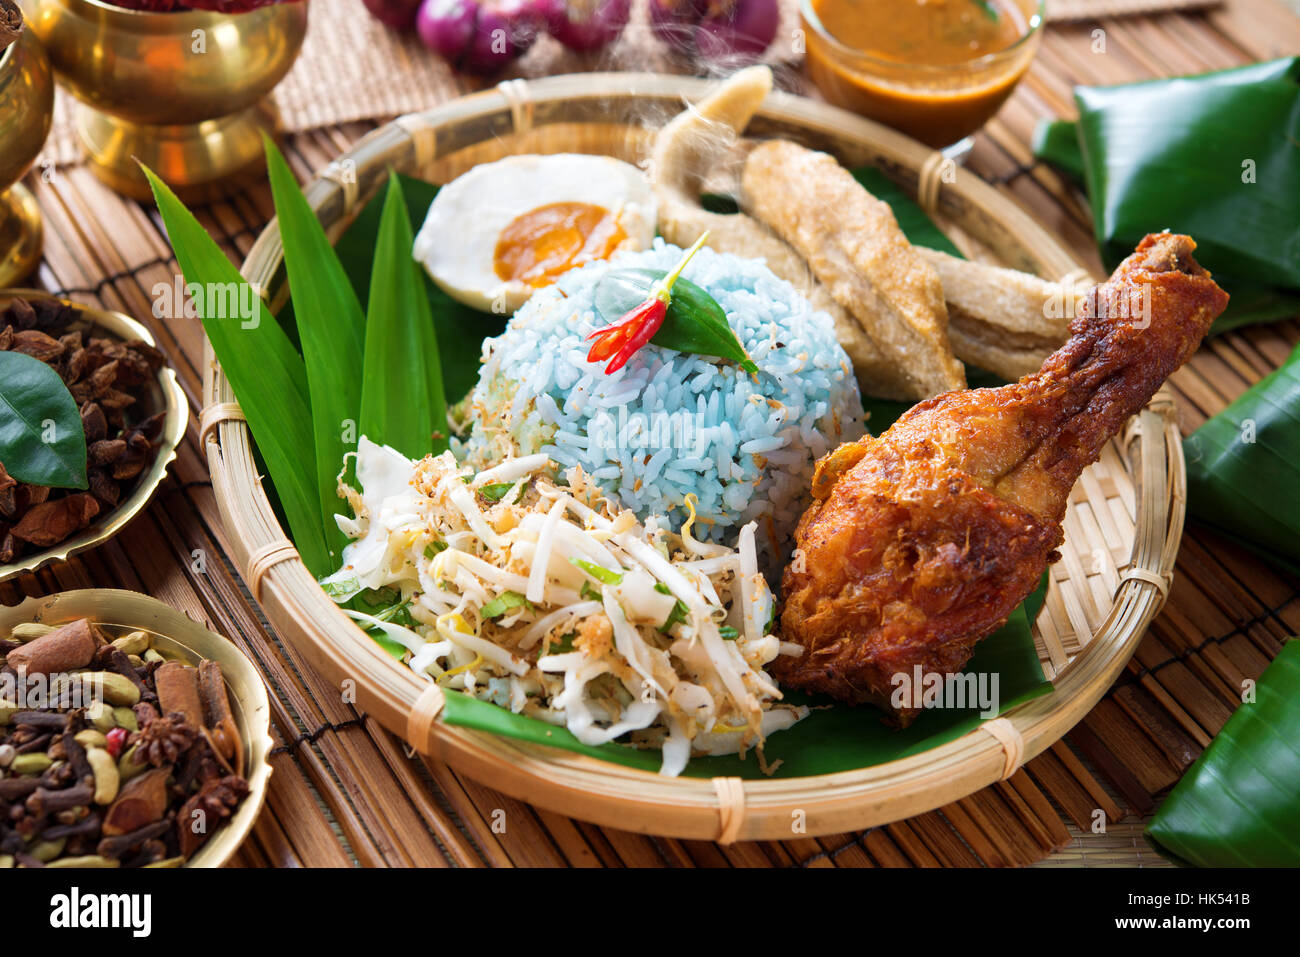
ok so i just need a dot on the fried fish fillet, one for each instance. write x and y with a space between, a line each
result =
854 246
685 151
1003 320
923 541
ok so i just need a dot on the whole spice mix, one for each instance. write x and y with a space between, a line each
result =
140 777
11 23
107 380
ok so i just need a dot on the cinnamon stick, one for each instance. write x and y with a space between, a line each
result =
220 719
64 649
178 692
11 23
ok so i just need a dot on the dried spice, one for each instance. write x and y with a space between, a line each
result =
112 786
11 23
108 380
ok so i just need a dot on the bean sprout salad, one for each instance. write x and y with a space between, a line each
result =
548 599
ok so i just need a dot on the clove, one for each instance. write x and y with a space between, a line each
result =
119 844
43 801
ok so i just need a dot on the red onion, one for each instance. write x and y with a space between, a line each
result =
398 14
721 32
585 25
737 31
447 26
478 36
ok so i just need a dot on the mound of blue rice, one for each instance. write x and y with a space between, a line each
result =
669 424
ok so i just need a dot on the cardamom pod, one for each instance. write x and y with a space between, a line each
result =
46 851
90 860
107 778
116 689
136 643
29 630
33 763
127 765
101 716
91 738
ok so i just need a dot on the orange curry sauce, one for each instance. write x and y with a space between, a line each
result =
937 69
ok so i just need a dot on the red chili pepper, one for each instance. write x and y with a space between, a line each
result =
646 320
622 338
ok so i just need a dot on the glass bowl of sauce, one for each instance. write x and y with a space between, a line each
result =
934 69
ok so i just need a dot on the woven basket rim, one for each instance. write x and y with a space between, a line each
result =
615 795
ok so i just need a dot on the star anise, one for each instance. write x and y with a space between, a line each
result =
164 739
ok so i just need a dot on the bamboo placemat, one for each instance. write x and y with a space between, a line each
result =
344 791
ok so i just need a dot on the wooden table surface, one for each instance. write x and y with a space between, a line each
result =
346 792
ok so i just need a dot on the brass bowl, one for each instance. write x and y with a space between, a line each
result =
184 93
165 394
26 110
177 636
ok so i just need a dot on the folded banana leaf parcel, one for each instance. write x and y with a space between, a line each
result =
1237 805
1216 156
1243 467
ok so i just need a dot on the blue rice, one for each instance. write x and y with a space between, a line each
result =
668 423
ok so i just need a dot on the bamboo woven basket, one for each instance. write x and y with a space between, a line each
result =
1122 529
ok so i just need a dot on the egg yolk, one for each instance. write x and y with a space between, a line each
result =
542 243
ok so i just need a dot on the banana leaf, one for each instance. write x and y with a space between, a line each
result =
1239 804
831 739
1241 459
1216 156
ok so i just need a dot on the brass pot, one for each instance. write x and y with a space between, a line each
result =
26 108
184 93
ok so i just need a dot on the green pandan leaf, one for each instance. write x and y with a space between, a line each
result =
266 374
331 327
402 401
41 439
460 351
694 323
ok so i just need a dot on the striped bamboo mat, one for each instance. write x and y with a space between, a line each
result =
345 791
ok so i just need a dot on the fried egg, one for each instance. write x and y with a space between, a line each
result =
506 229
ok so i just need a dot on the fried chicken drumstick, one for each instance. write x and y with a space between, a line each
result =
923 541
